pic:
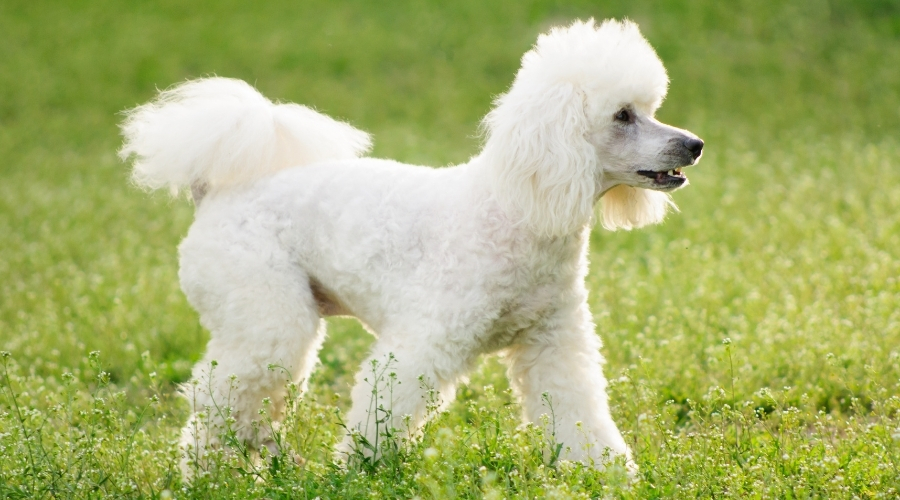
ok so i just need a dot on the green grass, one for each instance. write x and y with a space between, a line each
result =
753 340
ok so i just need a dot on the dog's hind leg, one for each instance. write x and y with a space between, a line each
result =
556 370
265 331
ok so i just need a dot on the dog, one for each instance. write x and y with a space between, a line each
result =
294 224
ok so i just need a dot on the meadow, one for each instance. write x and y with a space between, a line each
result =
752 340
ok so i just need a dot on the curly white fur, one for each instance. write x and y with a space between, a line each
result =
220 132
443 264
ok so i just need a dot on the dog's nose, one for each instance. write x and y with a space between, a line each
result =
694 145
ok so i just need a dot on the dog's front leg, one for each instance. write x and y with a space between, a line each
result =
402 383
556 370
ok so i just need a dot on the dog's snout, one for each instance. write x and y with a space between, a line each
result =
694 145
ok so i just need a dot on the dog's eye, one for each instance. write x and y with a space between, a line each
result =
623 115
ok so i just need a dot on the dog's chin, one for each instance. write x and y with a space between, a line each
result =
663 180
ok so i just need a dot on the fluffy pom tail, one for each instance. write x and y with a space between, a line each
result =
215 133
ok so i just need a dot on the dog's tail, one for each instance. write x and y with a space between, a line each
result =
214 133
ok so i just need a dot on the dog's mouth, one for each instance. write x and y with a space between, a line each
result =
665 179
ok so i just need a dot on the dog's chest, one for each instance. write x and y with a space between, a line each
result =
535 289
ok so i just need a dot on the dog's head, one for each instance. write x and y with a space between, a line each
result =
577 125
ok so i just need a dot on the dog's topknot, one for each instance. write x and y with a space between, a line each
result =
611 59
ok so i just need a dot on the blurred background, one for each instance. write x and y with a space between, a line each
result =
420 74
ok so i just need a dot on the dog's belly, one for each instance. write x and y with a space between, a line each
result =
326 303
485 311
487 321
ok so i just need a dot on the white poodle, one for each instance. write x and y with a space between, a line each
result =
293 224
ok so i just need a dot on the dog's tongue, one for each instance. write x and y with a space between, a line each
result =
660 176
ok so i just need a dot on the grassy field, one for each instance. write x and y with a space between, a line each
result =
753 340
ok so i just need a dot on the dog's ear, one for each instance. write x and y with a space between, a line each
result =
542 168
626 207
